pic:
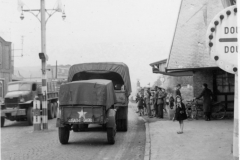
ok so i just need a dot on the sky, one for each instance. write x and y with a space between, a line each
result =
136 32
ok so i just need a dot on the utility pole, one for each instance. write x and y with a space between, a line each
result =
56 70
44 77
43 56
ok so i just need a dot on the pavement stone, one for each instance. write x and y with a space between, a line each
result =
201 140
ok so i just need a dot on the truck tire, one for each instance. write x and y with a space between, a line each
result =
2 121
55 104
51 111
63 133
30 115
111 135
122 123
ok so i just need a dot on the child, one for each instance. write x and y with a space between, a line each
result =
180 113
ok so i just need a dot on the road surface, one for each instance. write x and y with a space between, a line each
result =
19 142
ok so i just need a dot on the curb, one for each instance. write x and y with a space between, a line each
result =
147 154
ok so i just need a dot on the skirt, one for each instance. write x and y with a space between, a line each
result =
180 116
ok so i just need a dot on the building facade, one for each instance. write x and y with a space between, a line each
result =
188 55
6 66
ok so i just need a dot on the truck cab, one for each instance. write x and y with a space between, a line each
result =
18 102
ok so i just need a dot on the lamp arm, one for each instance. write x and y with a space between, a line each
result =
36 15
49 15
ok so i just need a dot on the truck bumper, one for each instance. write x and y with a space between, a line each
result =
13 112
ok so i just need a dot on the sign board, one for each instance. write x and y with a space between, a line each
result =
222 42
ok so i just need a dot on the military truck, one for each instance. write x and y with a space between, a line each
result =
18 102
86 102
117 73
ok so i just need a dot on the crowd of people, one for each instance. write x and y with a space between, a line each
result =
153 103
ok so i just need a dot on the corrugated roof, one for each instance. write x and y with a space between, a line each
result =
188 49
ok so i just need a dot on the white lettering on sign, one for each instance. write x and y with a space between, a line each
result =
222 39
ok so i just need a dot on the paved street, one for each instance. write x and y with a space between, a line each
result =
201 140
19 142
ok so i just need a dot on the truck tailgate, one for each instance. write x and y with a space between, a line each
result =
83 114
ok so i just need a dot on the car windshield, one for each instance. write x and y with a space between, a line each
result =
19 87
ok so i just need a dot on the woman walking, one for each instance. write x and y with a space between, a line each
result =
180 113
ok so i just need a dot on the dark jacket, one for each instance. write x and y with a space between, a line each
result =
207 99
178 93
141 102
160 97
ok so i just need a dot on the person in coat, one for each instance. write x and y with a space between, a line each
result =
155 101
141 103
177 92
180 113
160 102
147 101
207 101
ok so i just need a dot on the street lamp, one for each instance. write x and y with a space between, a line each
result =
43 56
22 16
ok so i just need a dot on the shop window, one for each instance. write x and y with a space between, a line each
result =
224 82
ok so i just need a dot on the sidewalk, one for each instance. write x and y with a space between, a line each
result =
201 140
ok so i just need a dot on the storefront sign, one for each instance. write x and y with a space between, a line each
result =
222 42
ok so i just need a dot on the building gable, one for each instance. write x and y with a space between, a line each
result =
188 48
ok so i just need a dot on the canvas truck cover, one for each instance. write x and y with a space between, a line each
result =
117 67
88 92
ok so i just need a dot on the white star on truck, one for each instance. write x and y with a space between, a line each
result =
82 114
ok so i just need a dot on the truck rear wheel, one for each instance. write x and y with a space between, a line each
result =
2 121
63 133
111 132
51 111
30 115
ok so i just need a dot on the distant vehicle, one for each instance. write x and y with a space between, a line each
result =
18 102
89 84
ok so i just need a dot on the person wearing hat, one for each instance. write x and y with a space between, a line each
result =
177 92
147 100
180 113
160 102
155 101
207 101
141 103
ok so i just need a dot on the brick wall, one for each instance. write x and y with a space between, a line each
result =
200 77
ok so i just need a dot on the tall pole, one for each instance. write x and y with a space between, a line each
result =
56 70
236 122
44 77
